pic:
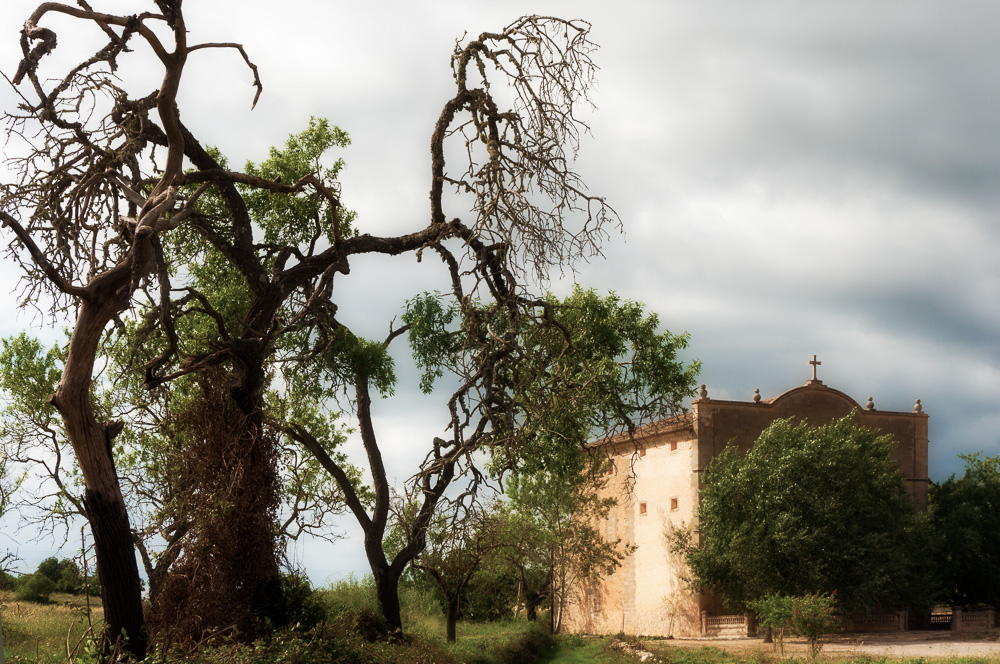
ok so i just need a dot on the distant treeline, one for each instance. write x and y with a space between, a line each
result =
52 576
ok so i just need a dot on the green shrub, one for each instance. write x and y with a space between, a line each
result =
526 646
353 608
34 588
7 581
351 595
813 616
421 610
303 605
774 612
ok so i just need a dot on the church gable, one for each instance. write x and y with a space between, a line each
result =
719 423
813 401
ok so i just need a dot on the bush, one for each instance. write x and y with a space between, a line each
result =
813 616
49 568
303 605
353 608
525 647
34 588
351 595
7 581
70 580
774 612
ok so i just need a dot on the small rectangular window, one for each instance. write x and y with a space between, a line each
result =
673 504
642 509
673 446
642 451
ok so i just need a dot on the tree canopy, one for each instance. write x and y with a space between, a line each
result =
965 513
808 509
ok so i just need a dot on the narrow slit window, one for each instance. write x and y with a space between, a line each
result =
673 446
673 504
642 509
642 451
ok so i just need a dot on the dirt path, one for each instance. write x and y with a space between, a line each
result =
896 644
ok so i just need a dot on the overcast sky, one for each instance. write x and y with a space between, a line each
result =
793 178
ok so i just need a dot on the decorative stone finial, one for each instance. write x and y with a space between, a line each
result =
870 405
703 394
756 395
917 408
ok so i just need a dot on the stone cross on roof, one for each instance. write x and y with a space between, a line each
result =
814 362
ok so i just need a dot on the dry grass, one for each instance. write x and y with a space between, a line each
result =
47 632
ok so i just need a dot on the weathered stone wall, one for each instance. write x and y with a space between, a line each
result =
647 595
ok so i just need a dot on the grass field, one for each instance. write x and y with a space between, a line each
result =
54 634
45 633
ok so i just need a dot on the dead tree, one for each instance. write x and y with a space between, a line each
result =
531 213
101 225
93 201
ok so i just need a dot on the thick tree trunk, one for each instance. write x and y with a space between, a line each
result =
387 594
247 391
531 603
267 601
103 499
118 572
451 618
228 574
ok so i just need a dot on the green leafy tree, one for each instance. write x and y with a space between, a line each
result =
454 551
582 367
809 509
812 616
63 573
525 553
550 537
493 593
965 514
50 568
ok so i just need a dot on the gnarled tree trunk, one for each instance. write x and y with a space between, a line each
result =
103 500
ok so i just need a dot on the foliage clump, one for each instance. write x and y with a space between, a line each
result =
34 588
814 615
965 514
811 615
809 509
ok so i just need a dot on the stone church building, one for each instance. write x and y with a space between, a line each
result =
647 594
